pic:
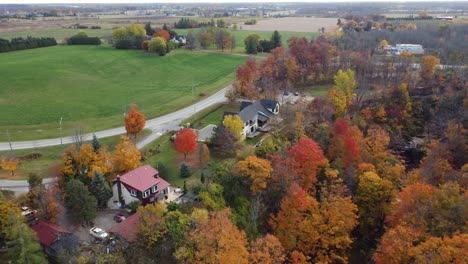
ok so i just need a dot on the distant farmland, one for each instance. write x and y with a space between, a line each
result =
294 24
94 85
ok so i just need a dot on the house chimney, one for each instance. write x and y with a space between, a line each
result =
119 190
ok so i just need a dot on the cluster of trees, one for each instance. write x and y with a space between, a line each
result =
185 22
86 172
160 43
129 37
20 242
438 37
303 64
253 43
208 36
82 39
25 43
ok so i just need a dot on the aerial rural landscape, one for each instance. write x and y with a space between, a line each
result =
256 132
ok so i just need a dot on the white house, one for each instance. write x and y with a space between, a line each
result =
256 115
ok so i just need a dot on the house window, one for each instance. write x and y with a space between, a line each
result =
146 193
154 189
165 191
133 193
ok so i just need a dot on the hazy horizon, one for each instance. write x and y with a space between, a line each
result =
203 1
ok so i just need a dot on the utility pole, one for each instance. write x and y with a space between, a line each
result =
9 139
60 130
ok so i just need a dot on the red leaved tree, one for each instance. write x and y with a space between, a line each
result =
306 159
134 121
185 142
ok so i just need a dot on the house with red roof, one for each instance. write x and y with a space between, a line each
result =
54 239
141 184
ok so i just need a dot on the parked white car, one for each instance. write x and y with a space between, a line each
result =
98 233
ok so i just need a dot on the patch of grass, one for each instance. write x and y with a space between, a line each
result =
318 90
93 86
167 157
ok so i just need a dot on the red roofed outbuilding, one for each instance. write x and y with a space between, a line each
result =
141 184
54 239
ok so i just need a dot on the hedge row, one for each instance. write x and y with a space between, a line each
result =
76 40
25 43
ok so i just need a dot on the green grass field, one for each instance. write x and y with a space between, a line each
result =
58 33
94 85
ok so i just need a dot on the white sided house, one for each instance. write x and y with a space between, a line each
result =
256 116
141 184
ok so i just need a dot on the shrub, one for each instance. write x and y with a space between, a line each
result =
75 40
158 45
144 45
185 170
123 44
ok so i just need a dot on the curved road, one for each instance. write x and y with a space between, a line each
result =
158 126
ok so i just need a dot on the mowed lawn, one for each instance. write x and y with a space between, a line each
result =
92 86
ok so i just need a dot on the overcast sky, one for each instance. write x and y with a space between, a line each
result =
192 1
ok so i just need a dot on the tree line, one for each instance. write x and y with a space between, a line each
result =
29 42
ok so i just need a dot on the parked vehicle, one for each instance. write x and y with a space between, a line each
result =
98 233
119 218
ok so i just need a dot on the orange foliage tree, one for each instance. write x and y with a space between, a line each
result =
217 240
246 75
163 34
258 171
306 159
134 120
10 165
267 250
294 224
185 142
126 156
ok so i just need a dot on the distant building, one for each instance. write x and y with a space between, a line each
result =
444 18
399 48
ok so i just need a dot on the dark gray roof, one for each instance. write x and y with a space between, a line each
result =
269 104
244 104
259 107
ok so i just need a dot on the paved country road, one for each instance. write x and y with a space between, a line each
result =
158 126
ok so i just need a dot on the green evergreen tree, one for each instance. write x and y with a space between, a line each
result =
80 203
100 189
185 170
165 27
96 144
276 40
149 30
252 43
22 243
34 180
184 190
202 178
